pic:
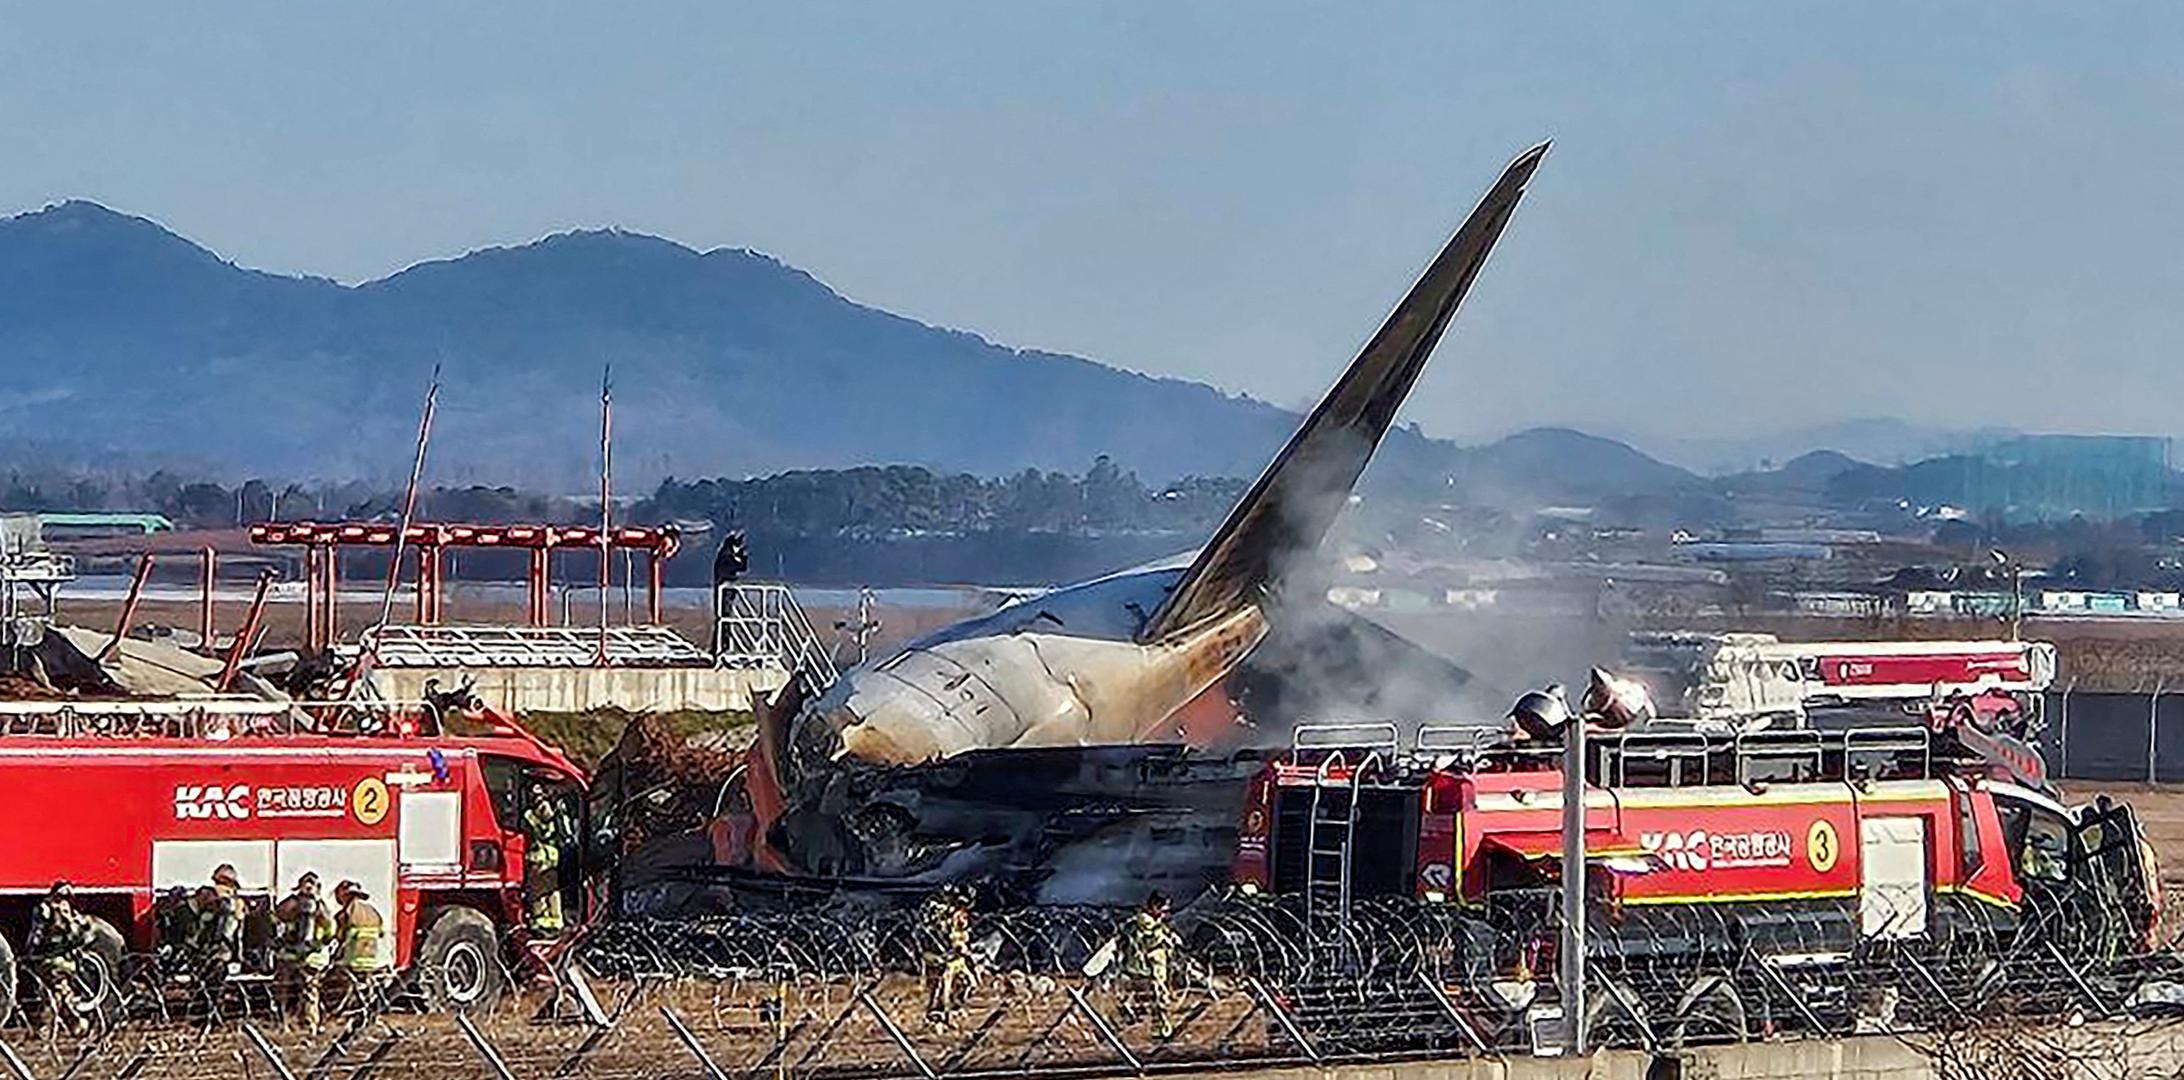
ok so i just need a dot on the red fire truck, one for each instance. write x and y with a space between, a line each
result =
1739 879
131 800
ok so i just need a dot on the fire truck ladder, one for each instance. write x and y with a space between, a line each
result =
1327 837
1332 820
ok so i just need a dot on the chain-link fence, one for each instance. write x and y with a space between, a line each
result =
2117 735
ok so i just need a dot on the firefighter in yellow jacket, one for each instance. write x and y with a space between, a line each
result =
1148 945
361 951
60 944
944 934
546 830
303 941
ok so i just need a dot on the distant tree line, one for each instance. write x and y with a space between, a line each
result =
896 524
906 500
866 502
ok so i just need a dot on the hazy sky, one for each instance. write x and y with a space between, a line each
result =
1755 214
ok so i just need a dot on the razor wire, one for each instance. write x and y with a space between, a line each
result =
843 994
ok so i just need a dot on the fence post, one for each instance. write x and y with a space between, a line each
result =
902 1041
1456 1015
268 1051
375 1057
1281 1016
14 1062
1106 1031
2062 749
690 1042
484 1047
2153 725
83 1057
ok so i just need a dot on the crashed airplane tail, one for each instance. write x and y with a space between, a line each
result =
1294 503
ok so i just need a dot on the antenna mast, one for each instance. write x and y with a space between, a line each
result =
401 542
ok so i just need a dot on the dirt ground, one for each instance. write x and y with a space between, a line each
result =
1010 1026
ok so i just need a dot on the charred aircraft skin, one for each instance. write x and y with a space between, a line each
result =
1047 825
1124 661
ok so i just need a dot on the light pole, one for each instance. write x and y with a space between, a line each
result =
1571 973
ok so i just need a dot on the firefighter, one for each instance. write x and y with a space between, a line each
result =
205 921
944 932
303 937
358 932
546 831
1148 946
220 925
60 943
176 922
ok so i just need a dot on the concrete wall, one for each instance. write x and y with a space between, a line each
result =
2090 1052
1852 1059
522 690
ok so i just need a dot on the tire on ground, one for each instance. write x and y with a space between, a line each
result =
458 963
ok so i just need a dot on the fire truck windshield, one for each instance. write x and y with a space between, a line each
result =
503 778
2038 839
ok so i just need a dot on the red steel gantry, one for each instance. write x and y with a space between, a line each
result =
322 542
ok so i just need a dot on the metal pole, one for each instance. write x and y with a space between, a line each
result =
2062 751
14 1062
2017 600
239 650
409 499
128 608
606 506
204 604
1572 968
2153 724
690 1042
311 599
1281 1016
1104 1030
902 1041
268 1051
487 1052
629 579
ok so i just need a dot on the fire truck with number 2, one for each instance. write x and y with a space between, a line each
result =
129 801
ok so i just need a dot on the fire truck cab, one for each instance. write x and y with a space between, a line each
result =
135 803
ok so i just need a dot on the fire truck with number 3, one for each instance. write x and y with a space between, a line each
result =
1741 880
130 801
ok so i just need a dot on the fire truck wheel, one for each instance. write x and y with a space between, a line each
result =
7 981
458 964
1711 1011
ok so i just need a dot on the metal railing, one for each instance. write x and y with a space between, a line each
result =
761 625
214 719
405 646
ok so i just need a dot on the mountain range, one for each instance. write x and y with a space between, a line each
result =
123 342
